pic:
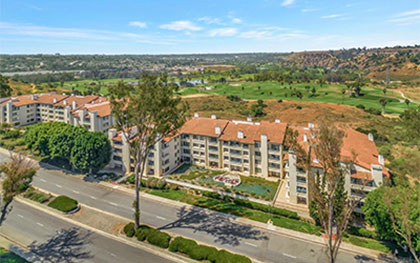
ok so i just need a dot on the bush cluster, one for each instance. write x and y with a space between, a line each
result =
183 245
361 232
36 196
63 203
266 208
155 183
201 252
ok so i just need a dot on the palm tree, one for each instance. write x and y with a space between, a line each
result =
383 103
407 102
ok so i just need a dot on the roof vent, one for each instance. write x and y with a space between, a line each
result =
218 130
249 119
65 102
74 105
213 116
316 160
54 100
196 115
305 137
370 137
381 159
35 97
240 134
311 125
277 121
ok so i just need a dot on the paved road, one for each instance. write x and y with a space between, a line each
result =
199 224
61 241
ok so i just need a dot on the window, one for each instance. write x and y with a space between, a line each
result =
301 179
245 152
257 153
301 189
258 170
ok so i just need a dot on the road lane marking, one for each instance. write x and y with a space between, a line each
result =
287 255
76 192
250 244
39 224
92 197
59 186
161 218
19 215
111 203
42 180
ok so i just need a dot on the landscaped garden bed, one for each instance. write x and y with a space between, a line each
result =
36 196
250 186
9 257
183 246
64 204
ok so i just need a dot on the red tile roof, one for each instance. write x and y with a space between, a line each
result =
203 126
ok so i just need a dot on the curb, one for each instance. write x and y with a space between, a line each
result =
21 250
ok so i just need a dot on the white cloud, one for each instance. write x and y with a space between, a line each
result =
408 13
138 24
56 33
287 2
332 16
224 32
181 25
407 18
210 20
236 20
307 10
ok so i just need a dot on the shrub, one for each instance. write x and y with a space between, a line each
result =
213 195
362 232
63 203
36 196
182 245
155 183
129 229
224 256
280 101
298 107
360 106
373 111
158 238
143 232
202 252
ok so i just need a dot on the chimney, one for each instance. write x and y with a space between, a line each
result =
34 97
249 119
112 133
218 130
196 115
74 105
65 102
277 121
213 116
240 134
381 159
311 125
54 100
305 137
370 137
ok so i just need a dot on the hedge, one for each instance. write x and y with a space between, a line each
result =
182 245
266 208
129 230
63 203
362 232
158 238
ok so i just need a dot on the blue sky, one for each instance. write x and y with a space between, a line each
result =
206 26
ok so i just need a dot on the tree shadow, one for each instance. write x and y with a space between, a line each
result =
66 245
216 224
5 210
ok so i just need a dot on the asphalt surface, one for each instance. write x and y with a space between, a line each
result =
59 241
202 225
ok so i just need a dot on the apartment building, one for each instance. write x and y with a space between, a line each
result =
93 112
245 147
366 173
255 149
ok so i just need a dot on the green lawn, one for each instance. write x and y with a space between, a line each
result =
8 257
327 93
